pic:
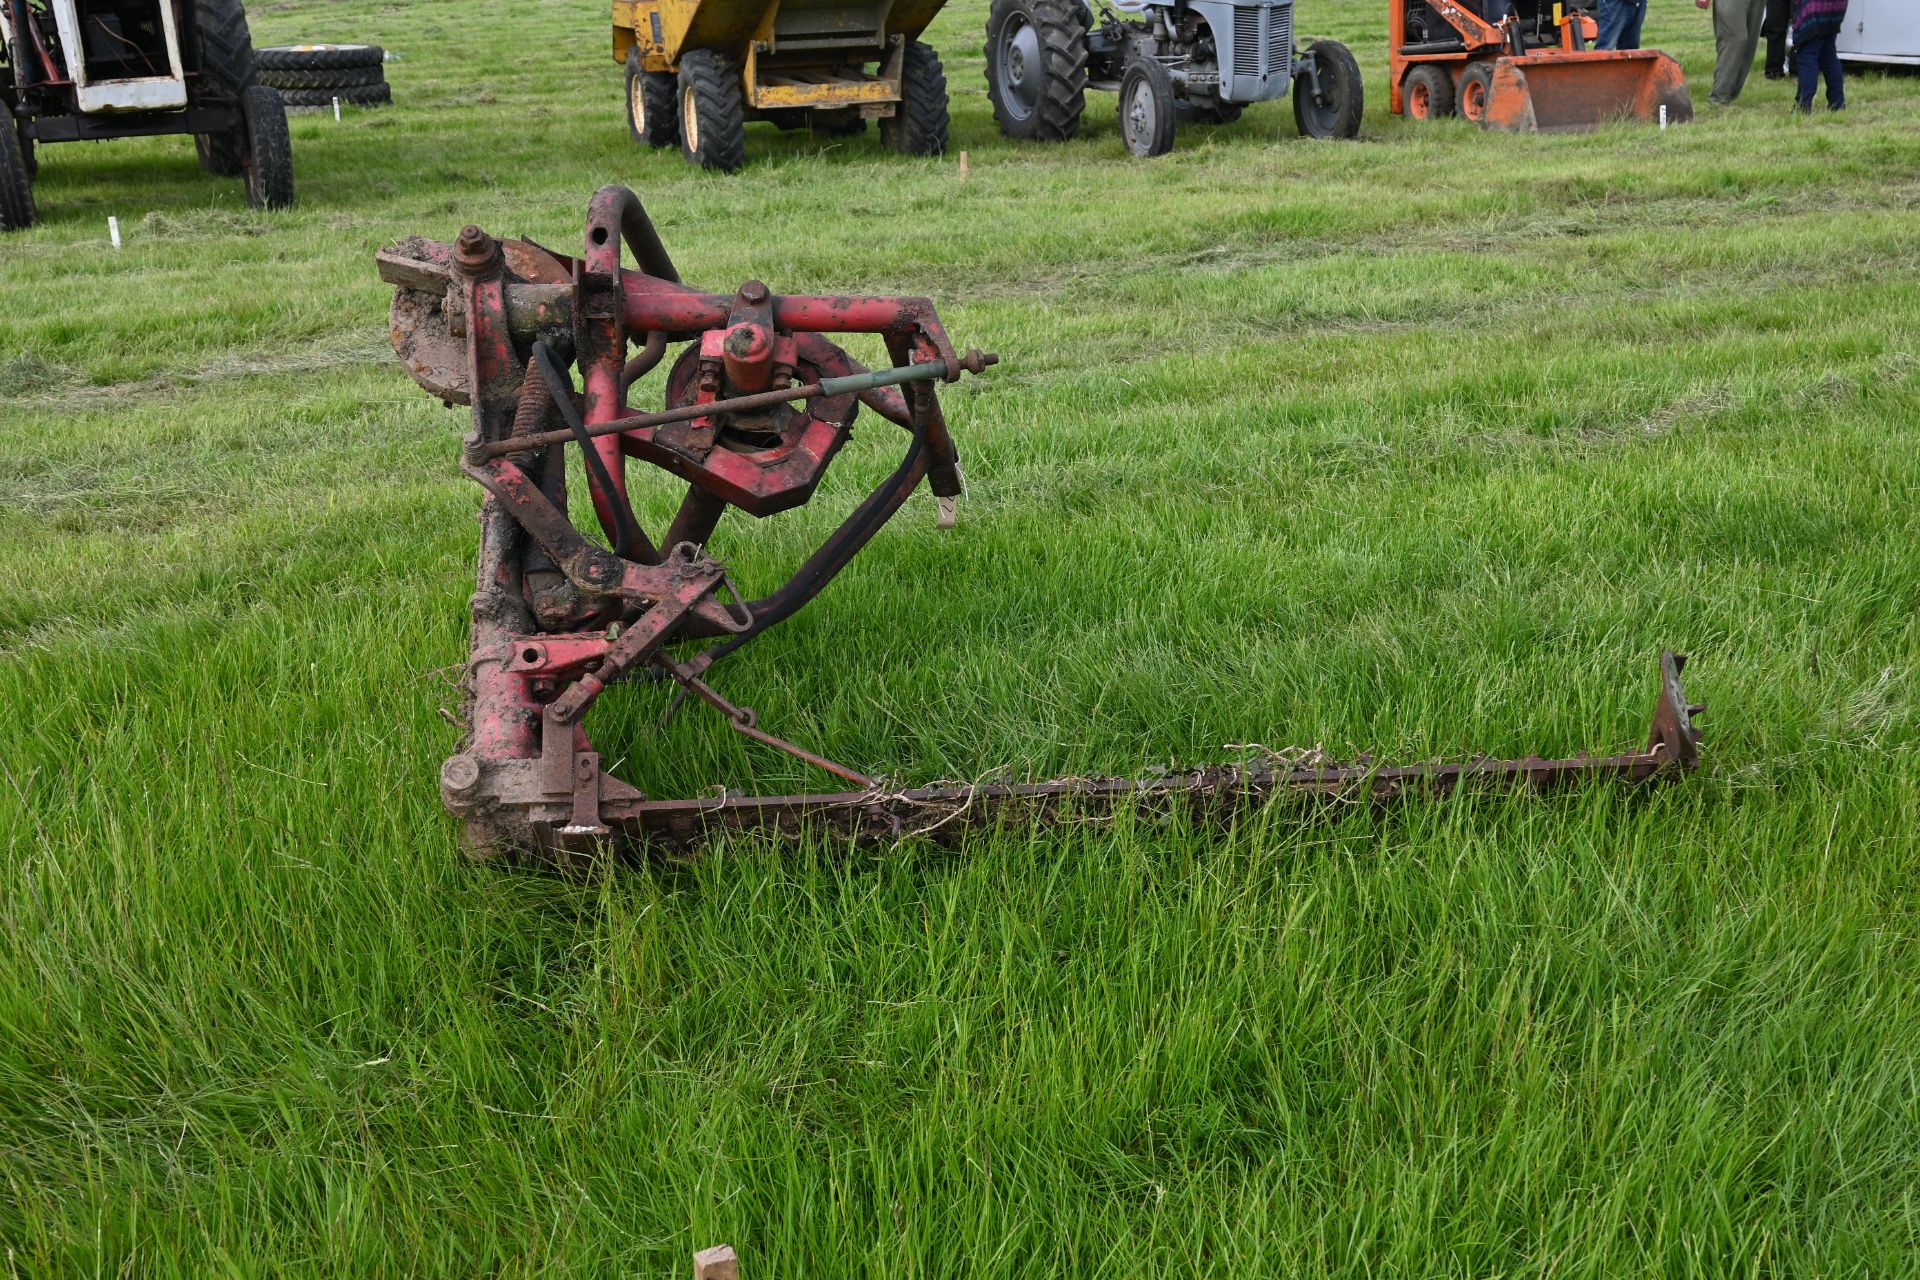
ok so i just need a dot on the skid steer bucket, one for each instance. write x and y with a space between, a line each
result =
1557 91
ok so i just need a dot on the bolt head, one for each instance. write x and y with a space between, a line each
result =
753 292
460 775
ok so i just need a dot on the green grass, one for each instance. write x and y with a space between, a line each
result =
1423 445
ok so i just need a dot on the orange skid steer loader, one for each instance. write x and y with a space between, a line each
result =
1524 66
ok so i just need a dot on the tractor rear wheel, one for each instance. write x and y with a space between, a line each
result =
1427 93
1476 88
1147 114
918 126
713 112
16 189
1333 112
1037 67
269 150
651 115
227 64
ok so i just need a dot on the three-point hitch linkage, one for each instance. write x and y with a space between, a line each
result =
757 404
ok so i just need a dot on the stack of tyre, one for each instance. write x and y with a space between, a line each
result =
313 75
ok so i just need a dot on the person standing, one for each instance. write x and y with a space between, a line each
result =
1620 23
1816 30
1736 34
1779 19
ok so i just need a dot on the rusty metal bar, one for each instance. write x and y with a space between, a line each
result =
826 388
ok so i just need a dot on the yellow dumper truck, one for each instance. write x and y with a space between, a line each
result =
698 70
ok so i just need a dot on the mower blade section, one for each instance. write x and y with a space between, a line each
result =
1208 795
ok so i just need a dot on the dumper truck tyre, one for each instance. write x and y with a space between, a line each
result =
713 112
918 126
1037 67
1476 90
269 150
228 63
1147 112
652 104
16 188
1335 111
1428 93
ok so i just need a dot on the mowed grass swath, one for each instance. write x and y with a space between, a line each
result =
1422 445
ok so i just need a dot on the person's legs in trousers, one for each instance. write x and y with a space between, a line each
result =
1736 34
1807 61
1613 23
1779 22
1829 49
1636 18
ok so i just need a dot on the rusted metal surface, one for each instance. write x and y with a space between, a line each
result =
759 402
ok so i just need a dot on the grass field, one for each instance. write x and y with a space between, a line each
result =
1422 445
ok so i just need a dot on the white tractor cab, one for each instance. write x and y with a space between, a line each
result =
79 70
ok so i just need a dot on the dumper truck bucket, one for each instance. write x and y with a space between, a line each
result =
1568 92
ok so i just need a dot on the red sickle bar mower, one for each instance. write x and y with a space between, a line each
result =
758 402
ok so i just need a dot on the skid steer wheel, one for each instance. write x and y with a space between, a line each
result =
1428 93
1146 108
1334 111
228 64
918 126
1037 67
269 150
16 189
713 114
1476 88
651 114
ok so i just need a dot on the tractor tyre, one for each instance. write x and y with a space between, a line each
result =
1335 111
918 126
1476 88
229 65
16 188
320 57
1147 115
367 95
351 78
269 150
1427 93
651 116
31 155
1037 67
713 112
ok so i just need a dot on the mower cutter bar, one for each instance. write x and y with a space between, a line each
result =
1206 795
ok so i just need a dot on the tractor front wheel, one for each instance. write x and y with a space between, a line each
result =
1476 90
918 126
1146 108
1037 67
269 150
713 112
1427 93
1333 111
650 104
16 188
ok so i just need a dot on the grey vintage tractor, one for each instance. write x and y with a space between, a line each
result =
77 70
1200 60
